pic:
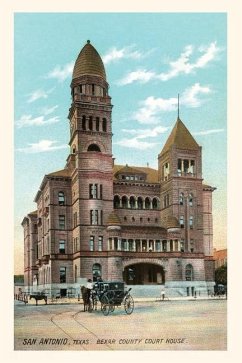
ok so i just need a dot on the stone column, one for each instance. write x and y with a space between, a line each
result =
147 245
109 244
189 166
168 246
119 244
134 246
182 166
140 243
136 204
154 249
179 245
112 244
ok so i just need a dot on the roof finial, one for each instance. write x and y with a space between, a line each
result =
88 41
178 107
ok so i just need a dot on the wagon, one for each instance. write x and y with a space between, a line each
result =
112 294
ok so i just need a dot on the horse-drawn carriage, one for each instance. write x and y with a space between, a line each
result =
40 295
110 294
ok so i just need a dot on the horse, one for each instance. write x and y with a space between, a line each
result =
40 296
89 301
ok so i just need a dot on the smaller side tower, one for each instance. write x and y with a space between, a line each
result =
180 175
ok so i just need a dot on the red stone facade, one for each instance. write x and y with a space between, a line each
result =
96 219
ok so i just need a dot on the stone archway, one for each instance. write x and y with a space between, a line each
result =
144 274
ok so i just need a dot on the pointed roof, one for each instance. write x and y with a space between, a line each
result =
89 62
181 138
64 172
129 170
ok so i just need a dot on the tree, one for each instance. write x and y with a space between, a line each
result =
221 275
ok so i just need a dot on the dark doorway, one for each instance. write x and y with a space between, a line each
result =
144 274
63 292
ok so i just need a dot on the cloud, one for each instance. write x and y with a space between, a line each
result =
190 95
145 133
47 111
28 120
182 65
135 143
61 73
151 108
36 95
42 146
208 132
128 52
142 75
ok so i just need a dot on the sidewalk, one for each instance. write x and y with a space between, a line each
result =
69 301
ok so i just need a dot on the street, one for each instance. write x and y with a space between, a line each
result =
156 325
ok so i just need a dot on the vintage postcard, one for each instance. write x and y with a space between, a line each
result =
120 181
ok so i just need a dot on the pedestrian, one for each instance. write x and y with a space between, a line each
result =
163 294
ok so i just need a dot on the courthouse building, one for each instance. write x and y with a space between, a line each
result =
119 222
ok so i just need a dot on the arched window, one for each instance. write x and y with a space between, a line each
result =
189 275
147 203
93 89
94 147
154 203
96 271
190 199
140 203
181 199
124 202
97 123
132 202
116 201
61 198
104 124
83 122
90 125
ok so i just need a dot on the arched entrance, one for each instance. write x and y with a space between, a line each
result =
144 274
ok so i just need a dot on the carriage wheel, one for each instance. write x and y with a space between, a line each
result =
112 308
128 304
105 307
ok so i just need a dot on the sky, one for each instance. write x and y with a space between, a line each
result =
149 59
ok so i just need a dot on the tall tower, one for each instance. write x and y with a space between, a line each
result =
90 158
180 175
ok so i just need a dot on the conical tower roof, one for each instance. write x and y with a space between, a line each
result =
181 138
89 62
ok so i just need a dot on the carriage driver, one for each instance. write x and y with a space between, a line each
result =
89 288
